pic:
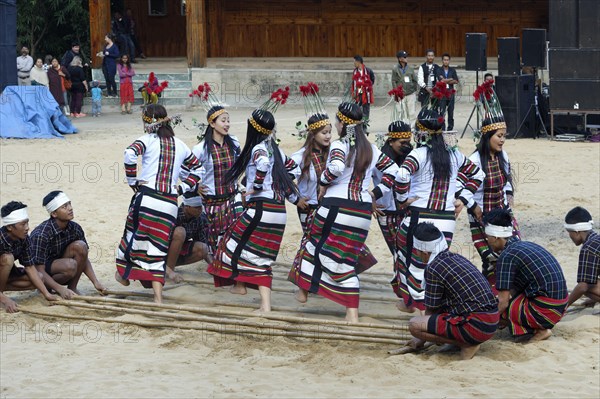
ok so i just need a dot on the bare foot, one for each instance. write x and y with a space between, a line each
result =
468 352
541 335
352 315
157 298
301 295
120 279
263 309
175 277
238 289
403 308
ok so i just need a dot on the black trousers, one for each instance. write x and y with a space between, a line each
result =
111 85
448 106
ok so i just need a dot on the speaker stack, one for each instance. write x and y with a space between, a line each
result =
476 54
8 38
516 92
574 55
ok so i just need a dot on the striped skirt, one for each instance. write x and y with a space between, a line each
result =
142 252
388 225
473 329
538 313
488 257
221 214
306 217
326 263
409 268
250 246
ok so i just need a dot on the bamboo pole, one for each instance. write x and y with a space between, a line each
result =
223 321
270 316
400 316
206 327
364 297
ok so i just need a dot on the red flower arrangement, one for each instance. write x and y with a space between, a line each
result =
397 93
153 87
310 88
202 91
440 91
280 95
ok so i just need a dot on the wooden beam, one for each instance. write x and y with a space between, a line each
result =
196 33
99 27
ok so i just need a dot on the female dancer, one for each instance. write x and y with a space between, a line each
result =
143 249
326 263
217 152
246 252
429 177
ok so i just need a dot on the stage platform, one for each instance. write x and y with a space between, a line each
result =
247 81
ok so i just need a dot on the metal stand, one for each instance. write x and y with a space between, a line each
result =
535 107
472 111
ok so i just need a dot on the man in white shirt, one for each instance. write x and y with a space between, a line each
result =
24 65
426 77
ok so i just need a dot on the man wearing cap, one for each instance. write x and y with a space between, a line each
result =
532 291
404 75
579 225
59 248
461 309
15 245
188 240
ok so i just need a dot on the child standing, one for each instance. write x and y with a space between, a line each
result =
96 98
126 72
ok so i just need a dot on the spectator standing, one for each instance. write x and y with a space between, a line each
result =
24 65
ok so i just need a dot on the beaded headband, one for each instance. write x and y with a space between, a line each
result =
215 115
493 126
319 124
258 127
347 120
400 135
430 131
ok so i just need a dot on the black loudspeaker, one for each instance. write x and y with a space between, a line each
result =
534 48
517 98
509 60
476 55
574 64
589 24
8 38
564 23
576 95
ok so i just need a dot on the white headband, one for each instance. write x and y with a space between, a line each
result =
57 202
499 231
428 246
195 201
16 216
583 226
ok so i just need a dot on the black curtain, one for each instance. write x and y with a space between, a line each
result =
8 43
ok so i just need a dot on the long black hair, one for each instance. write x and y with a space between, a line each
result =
234 150
437 153
361 153
485 151
282 182
397 126
311 144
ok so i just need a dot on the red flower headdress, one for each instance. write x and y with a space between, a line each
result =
152 85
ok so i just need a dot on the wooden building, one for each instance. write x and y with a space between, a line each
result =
316 28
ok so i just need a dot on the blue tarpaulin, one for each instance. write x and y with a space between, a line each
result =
30 112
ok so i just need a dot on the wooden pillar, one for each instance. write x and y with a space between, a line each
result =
196 33
99 27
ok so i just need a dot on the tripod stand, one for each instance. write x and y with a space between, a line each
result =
534 107
472 111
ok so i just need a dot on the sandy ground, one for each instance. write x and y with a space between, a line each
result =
54 357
